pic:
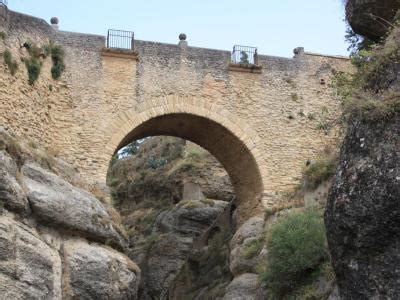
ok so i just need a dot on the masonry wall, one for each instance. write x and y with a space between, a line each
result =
284 107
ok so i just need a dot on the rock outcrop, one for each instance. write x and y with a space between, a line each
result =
55 237
363 212
95 272
29 268
371 18
242 259
245 286
167 248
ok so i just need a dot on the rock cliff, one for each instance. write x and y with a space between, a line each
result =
57 240
371 18
363 213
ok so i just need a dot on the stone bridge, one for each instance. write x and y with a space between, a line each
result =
261 123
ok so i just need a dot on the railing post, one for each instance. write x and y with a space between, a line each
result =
108 39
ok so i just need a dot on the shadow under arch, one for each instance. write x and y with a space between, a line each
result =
229 148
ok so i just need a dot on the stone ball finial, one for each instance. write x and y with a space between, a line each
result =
298 50
54 21
182 37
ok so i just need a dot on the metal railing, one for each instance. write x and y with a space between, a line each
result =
120 39
244 55
3 3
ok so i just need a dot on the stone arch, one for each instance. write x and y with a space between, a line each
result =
224 135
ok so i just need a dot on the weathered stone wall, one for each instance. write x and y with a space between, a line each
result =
262 127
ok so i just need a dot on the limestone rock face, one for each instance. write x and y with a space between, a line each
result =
363 213
174 234
190 217
11 194
96 272
244 287
55 201
371 18
240 262
46 225
29 268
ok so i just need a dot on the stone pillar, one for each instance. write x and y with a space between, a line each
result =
192 191
182 40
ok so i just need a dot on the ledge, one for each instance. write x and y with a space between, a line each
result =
120 53
247 68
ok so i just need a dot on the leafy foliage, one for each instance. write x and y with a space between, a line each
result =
356 42
57 56
364 93
297 245
130 149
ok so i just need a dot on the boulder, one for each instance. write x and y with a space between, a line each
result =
371 18
165 258
12 195
362 216
244 287
190 217
171 242
29 268
58 203
250 233
96 272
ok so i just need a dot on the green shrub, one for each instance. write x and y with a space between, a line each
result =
34 67
57 56
297 245
10 62
56 70
319 171
2 35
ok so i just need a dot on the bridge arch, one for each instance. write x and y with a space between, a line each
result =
224 135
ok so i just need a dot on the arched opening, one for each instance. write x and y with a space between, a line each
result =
223 144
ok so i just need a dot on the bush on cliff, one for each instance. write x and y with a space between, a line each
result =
57 56
297 246
33 66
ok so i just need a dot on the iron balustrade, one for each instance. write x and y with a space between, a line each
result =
244 55
120 39
3 2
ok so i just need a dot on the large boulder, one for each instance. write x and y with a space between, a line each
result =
29 268
363 213
246 245
190 217
96 272
244 287
169 245
58 203
371 18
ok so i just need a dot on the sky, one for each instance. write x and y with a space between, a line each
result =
275 27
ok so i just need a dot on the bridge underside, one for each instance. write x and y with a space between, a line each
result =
233 154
